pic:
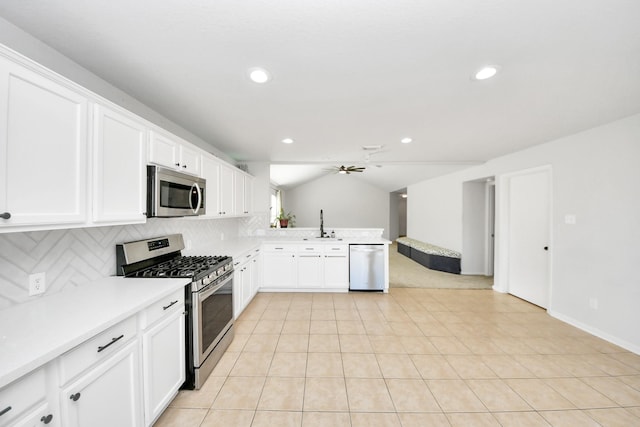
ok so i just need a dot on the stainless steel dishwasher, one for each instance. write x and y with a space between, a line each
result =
366 267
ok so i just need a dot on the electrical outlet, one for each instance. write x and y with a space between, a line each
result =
37 284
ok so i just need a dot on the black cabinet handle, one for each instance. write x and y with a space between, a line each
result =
177 164
5 410
172 302
184 166
5 215
47 419
75 397
102 347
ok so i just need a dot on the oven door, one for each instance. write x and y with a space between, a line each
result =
212 316
172 193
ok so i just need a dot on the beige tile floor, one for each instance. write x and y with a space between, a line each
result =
412 357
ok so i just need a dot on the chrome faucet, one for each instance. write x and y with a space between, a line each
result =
321 224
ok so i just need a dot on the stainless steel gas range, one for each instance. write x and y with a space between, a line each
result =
209 296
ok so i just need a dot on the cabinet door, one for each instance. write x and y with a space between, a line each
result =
248 194
255 275
310 271
119 159
238 193
279 270
43 149
238 274
163 358
163 151
190 161
226 190
336 272
106 396
211 173
41 416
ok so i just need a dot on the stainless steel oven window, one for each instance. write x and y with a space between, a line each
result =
213 316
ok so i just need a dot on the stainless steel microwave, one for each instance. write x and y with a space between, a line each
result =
171 193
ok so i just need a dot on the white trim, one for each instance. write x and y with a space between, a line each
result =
597 332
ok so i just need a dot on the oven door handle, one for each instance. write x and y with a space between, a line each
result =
206 292
197 207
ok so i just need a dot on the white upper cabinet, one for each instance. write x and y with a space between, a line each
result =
243 193
119 159
226 196
211 172
43 150
169 152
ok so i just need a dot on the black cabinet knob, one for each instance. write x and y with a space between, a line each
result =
46 419
75 397
546 248
5 215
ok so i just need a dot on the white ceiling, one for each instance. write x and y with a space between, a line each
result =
359 72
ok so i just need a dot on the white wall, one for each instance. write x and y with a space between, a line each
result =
394 218
596 176
347 203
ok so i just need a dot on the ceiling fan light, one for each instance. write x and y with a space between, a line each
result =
406 140
287 141
342 171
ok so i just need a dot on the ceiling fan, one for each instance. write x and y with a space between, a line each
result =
346 169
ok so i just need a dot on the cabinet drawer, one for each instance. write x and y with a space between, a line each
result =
274 247
163 308
336 250
309 249
21 395
95 349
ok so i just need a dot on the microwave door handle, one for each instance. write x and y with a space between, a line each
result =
197 208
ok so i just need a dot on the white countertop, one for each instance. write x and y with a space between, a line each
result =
237 247
37 332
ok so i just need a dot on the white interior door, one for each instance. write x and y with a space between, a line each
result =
529 235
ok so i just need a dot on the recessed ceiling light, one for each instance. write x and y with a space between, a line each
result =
287 141
259 75
406 140
485 72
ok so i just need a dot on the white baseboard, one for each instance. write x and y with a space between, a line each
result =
594 331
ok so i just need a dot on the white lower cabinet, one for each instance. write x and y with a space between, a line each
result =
18 399
312 267
107 395
245 281
163 361
279 267
41 416
124 376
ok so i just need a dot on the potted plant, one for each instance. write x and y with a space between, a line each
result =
286 219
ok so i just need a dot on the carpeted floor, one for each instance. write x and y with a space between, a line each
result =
406 273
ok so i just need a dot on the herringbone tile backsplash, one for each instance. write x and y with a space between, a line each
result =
78 256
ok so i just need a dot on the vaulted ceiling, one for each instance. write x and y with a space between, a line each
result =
347 74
